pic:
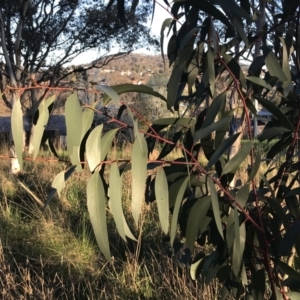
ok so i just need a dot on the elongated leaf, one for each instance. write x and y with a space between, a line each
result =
93 148
162 199
211 70
273 64
214 109
194 271
236 161
17 129
139 175
110 92
270 133
197 217
40 128
242 195
203 132
286 269
169 147
239 11
179 196
106 141
256 165
215 206
73 123
115 198
285 67
293 295
132 88
272 108
96 201
176 121
87 120
58 184
259 81
239 243
222 149
165 25
240 30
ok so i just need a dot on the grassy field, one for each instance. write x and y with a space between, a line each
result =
53 255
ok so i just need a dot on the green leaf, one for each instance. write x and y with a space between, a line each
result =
210 9
179 196
110 92
239 243
215 206
96 200
165 25
87 120
162 199
293 295
73 113
106 141
211 70
203 132
196 219
139 174
272 132
17 129
115 198
240 30
132 88
272 108
285 67
222 149
236 161
187 122
273 64
257 161
286 269
242 195
195 266
214 109
93 148
40 128
58 184
259 81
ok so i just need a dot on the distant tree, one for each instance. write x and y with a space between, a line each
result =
39 37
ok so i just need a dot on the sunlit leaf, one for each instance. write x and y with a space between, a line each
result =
132 88
259 81
139 174
93 147
106 141
73 115
17 129
110 92
176 121
194 270
242 195
87 120
40 128
115 198
162 199
96 204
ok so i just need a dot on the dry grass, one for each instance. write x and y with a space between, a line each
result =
54 255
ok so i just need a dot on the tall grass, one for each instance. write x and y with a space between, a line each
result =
53 255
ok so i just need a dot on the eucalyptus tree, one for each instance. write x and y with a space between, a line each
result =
251 228
39 37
